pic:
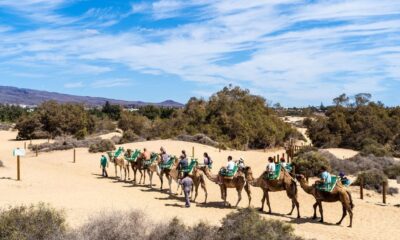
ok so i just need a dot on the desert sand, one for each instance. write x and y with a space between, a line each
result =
81 191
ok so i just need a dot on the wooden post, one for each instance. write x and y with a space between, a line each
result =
18 169
361 188
36 148
25 145
384 191
193 152
277 158
74 155
274 159
31 141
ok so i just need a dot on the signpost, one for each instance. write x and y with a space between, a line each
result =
18 153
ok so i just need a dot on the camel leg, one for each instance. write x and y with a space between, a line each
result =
239 191
315 210
321 211
196 190
268 203
248 191
263 201
343 215
203 186
297 204
116 174
151 178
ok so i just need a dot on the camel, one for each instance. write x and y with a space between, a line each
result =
285 182
339 193
170 174
150 169
198 180
119 161
238 181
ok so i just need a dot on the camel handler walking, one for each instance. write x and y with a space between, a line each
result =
187 184
103 166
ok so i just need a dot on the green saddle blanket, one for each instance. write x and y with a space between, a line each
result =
153 157
229 173
168 164
134 156
328 187
289 167
275 175
191 166
119 152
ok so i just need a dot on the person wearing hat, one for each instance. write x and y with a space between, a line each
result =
241 164
103 166
164 155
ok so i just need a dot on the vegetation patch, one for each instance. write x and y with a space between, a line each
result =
38 222
104 145
310 163
372 179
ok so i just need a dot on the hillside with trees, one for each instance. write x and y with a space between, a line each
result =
358 124
233 117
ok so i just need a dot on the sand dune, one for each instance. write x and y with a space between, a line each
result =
78 188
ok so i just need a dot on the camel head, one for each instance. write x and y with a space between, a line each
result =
300 177
248 173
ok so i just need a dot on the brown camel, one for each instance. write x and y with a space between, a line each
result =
339 193
198 180
119 162
285 182
151 169
170 173
238 181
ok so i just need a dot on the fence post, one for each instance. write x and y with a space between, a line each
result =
74 155
384 191
361 188
277 158
25 145
193 152
18 169
36 149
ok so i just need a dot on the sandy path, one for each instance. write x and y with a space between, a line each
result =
77 188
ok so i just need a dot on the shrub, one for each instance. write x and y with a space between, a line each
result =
375 149
34 222
1 164
104 145
392 171
310 163
128 137
115 225
104 125
65 143
198 138
248 224
373 179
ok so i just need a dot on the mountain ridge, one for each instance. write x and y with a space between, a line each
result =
31 97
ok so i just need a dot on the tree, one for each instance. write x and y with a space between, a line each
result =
362 98
27 126
112 111
341 100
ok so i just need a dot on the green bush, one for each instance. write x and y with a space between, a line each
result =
114 225
373 179
392 171
248 224
104 145
128 137
310 163
370 146
35 222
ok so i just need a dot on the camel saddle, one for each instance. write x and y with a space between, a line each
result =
328 187
134 156
229 174
275 175
191 166
168 164
153 157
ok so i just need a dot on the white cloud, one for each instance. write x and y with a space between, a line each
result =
110 83
284 57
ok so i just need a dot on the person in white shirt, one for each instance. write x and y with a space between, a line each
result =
229 167
271 166
231 164
283 162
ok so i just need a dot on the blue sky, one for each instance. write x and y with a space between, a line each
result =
296 52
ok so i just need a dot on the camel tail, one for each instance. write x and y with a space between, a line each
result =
351 200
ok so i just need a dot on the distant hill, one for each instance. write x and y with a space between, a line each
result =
22 96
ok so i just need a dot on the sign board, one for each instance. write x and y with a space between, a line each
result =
18 152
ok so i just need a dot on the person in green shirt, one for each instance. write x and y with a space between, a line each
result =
104 165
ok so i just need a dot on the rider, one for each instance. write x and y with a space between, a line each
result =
229 167
271 166
325 176
207 160
283 162
343 178
164 155
183 163
146 154
241 164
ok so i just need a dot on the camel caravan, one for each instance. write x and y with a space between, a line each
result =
278 176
